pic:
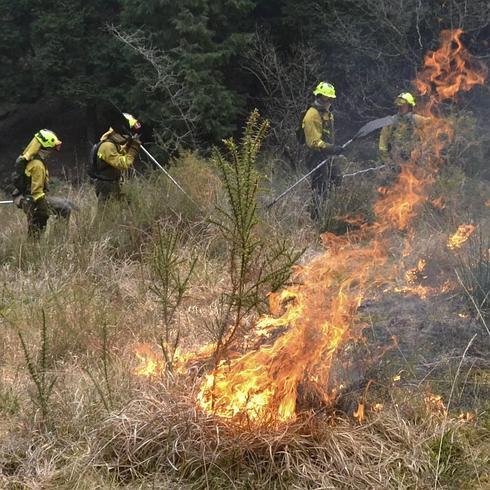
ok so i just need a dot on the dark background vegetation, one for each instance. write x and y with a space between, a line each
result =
193 70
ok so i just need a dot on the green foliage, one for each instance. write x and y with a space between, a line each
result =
169 284
200 41
448 456
473 272
17 79
39 371
105 393
252 266
186 77
58 49
9 401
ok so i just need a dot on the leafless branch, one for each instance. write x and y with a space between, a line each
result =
168 82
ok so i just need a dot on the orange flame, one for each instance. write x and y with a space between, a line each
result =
449 70
151 365
438 203
435 403
318 314
262 384
467 416
461 236
360 414
413 274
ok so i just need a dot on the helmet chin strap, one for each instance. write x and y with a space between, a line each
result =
322 106
45 152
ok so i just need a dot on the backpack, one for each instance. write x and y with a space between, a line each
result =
300 132
93 166
19 178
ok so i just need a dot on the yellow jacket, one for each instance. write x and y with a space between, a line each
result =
36 171
319 129
400 133
114 152
38 175
31 150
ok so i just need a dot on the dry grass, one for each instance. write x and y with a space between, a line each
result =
163 433
152 435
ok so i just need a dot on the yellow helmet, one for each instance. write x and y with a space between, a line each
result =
133 122
326 89
48 139
405 98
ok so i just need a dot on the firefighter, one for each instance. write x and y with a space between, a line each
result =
319 137
30 180
397 141
114 154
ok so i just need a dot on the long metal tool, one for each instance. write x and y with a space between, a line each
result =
364 131
289 189
58 201
155 161
363 171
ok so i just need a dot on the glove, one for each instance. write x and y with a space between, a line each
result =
136 141
26 203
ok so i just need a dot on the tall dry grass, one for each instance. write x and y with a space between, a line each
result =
109 429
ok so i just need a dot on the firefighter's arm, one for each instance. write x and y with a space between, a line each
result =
384 141
119 160
312 126
37 172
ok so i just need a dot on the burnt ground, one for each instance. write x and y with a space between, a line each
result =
425 342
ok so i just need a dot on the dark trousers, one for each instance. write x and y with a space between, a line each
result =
323 179
39 212
36 223
107 189
327 176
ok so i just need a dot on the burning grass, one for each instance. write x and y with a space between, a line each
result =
164 433
262 385
107 427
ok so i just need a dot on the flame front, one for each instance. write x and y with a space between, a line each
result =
262 385
318 314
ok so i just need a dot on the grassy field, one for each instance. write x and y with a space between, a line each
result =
76 304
